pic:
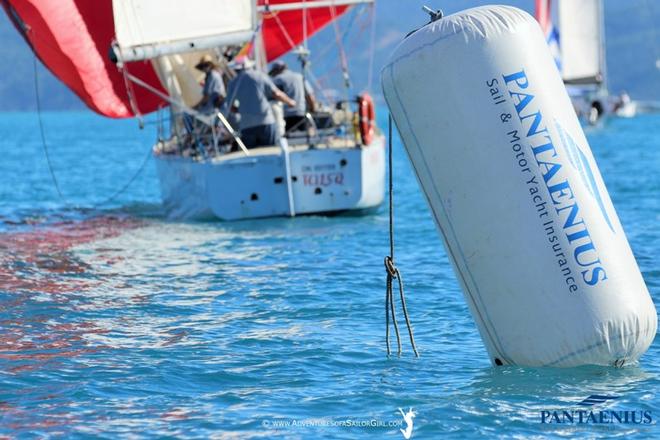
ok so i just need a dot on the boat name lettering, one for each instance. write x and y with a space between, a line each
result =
323 179
322 167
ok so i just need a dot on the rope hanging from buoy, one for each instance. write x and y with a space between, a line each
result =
392 271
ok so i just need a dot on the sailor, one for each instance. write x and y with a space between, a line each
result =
254 89
621 102
294 85
214 88
596 110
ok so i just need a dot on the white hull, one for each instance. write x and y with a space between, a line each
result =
236 187
628 110
588 116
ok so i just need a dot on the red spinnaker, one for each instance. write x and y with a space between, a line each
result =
283 31
73 37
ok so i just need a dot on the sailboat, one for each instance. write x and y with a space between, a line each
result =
578 45
129 58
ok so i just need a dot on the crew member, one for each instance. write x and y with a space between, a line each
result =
254 89
213 93
294 85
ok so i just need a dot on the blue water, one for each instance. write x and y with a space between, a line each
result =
116 322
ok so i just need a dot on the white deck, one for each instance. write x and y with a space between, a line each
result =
334 176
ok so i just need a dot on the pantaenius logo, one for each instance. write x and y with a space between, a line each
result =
590 414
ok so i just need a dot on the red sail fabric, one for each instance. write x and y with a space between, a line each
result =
542 13
72 38
283 31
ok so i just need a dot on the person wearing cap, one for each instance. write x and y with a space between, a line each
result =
253 89
213 93
294 85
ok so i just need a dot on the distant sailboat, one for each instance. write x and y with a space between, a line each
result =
579 47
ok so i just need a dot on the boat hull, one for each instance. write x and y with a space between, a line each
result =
237 187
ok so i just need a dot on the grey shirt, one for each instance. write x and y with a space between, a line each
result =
253 89
293 84
214 88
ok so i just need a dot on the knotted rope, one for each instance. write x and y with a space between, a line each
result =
392 271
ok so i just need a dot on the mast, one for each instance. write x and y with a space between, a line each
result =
603 89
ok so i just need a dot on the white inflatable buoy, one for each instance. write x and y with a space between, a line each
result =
516 194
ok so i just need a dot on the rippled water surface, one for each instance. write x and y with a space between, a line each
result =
115 321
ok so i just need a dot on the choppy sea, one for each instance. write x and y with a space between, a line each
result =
117 323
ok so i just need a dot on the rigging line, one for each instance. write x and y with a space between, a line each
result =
290 42
287 36
304 23
322 55
121 190
355 40
206 120
283 30
355 12
328 47
130 93
44 145
361 26
372 47
342 53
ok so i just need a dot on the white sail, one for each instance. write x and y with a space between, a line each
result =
581 36
149 28
179 77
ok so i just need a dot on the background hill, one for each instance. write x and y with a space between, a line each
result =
633 51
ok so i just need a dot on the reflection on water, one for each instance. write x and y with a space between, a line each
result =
118 322
41 260
140 324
